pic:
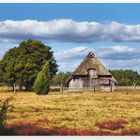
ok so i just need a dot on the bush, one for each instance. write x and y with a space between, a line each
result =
4 108
42 82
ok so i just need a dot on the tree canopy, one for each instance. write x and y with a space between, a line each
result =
126 77
21 64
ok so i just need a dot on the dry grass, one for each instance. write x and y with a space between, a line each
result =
77 111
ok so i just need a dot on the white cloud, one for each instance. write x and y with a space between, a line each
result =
68 30
71 54
122 32
70 58
118 53
114 57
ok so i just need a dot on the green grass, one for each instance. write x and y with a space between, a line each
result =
80 111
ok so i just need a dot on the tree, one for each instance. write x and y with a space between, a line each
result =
1 74
60 78
22 64
42 82
126 77
7 67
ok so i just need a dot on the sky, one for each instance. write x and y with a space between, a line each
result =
111 31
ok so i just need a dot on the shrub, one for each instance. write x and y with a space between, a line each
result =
5 106
42 82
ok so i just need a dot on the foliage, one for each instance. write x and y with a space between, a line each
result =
5 106
21 64
60 78
7 67
42 82
1 74
126 77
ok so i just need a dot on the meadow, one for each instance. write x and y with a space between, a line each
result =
100 113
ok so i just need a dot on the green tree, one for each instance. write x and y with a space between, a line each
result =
42 82
22 64
7 67
60 78
1 74
126 77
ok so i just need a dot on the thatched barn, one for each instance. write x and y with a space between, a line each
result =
91 74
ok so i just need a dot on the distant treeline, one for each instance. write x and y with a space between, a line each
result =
126 77
123 77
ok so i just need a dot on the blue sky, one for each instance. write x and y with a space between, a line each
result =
112 31
124 13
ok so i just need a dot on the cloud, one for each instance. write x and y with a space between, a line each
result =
113 57
118 53
68 30
122 32
70 58
72 54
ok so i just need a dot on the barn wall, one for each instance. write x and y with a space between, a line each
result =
104 81
84 82
110 87
76 83
105 88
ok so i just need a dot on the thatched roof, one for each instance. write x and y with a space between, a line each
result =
89 62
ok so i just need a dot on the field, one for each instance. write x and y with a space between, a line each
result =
74 114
